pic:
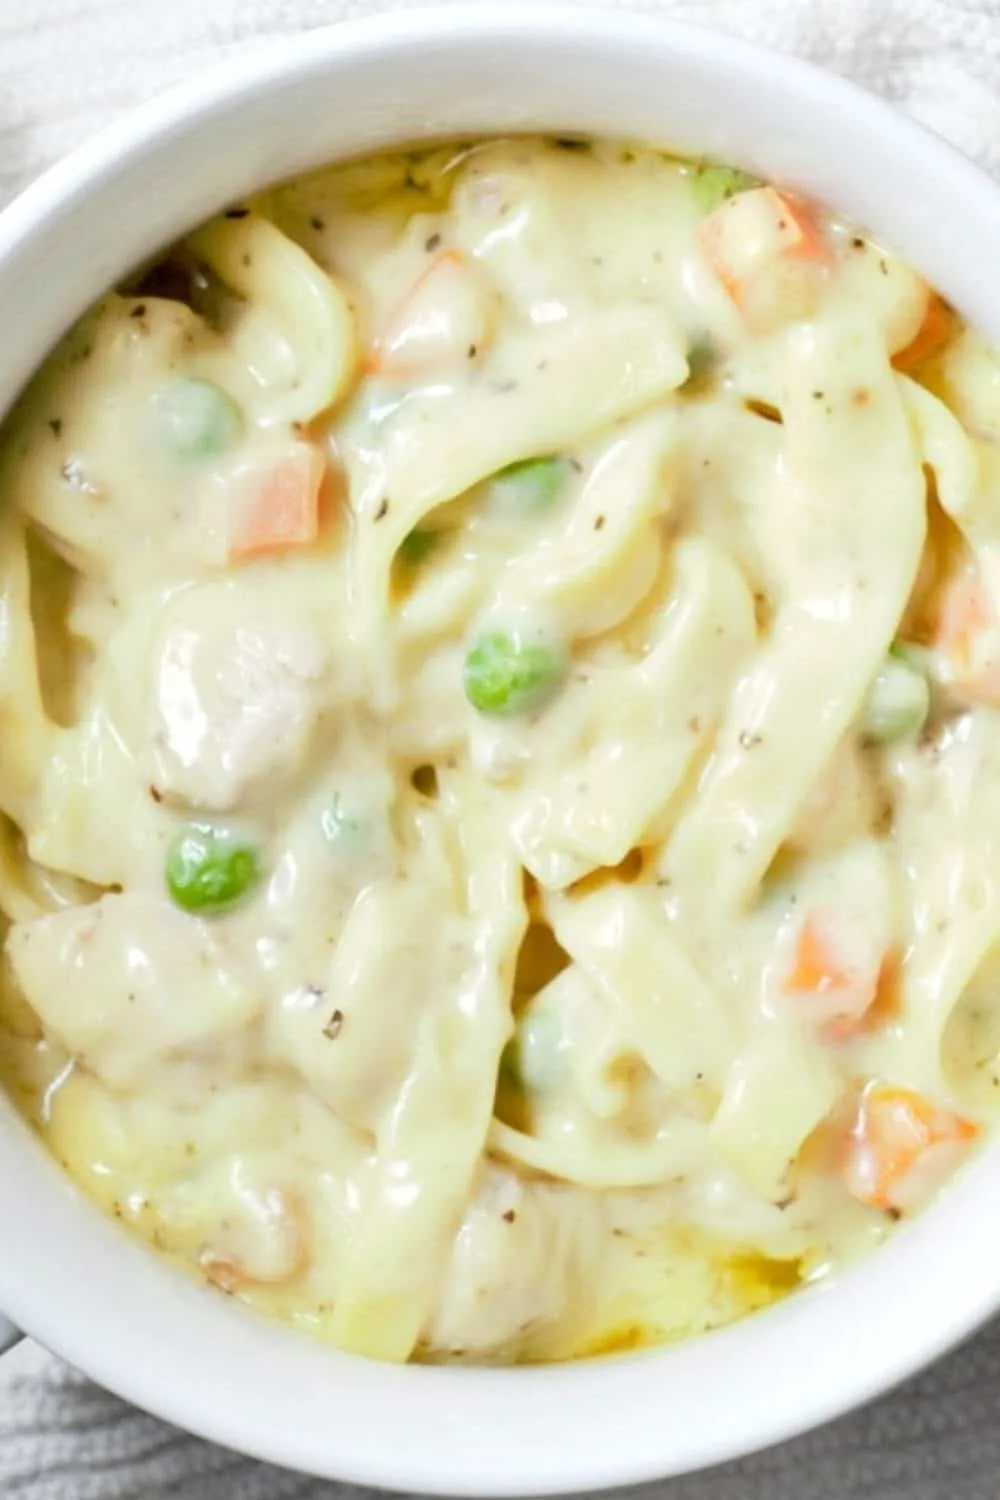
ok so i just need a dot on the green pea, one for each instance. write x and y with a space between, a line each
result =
196 419
415 547
510 1062
535 1058
713 184
509 672
343 825
529 487
917 658
702 358
207 870
898 701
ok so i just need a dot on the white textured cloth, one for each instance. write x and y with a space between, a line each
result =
66 66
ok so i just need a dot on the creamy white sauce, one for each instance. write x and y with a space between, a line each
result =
508 1035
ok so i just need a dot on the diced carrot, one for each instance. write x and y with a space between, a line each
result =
965 631
279 508
892 1135
388 354
883 1008
963 611
844 995
815 969
886 1002
938 325
812 243
822 1153
751 231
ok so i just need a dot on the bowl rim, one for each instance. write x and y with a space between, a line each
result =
880 1288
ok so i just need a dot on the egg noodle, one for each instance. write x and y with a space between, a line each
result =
500 766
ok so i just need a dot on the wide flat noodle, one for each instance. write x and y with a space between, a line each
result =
949 838
857 524
588 574
304 306
431 1140
504 1023
647 723
966 482
779 1088
622 938
607 1165
27 734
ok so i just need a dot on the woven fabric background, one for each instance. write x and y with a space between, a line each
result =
67 66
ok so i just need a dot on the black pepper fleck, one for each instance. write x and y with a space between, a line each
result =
55 426
749 741
599 523
138 311
383 510
509 1216
155 793
334 1026
432 243
317 223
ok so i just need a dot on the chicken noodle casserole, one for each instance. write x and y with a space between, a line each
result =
500 783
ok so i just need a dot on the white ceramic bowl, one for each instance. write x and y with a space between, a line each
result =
77 1283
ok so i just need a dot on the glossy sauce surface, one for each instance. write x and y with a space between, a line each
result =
501 770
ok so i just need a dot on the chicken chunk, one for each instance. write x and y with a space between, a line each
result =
522 1255
237 695
129 986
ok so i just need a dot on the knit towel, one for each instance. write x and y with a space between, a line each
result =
66 66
